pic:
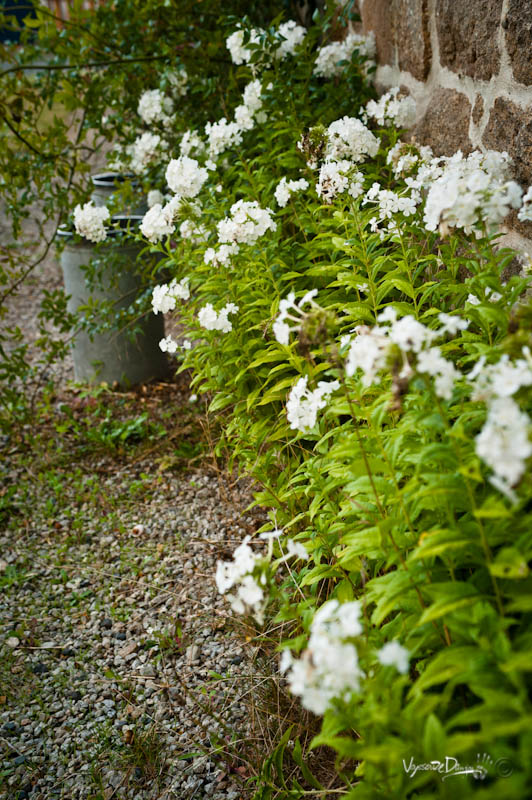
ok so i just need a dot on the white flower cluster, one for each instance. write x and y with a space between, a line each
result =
158 222
191 143
393 654
146 150
292 35
246 113
89 221
222 256
281 328
404 157
471 192
390 203
337 177
185 177
503 443
249 596
329 667
169 345
289 36
222 135
303 405
165 296
332 57
155 107
391 110
348 138
370 348
235 45
154 197
525 212
285 188
247 223
217 321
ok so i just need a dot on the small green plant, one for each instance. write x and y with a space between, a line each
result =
144 758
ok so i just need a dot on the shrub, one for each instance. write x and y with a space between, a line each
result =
352 323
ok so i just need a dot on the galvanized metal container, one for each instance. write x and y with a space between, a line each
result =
105 184
113 356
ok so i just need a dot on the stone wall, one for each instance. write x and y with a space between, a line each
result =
468 65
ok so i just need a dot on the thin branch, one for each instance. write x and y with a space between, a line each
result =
25 141
49 243
51 67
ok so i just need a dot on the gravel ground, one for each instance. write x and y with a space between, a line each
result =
111 630
121 675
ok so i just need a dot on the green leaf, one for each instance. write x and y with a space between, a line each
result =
509 563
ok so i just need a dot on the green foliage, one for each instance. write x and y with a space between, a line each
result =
66 91
386 491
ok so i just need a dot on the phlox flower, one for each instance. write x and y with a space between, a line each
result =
89 221
393 654
303 405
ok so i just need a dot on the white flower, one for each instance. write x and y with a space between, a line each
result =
217 321
303 405
168 345
502 379
395 655
367 352
154 107
165 296
250 592
222 135
452 324
391 110
390 203
155 197
329 667
238 572
296 549
470 193
289 309
445 373
235 45
285 188
158 222
247 223
409 334
292 35
145 150
286 661
337 177
222 256
185 177
348 138
525 212
89 221
190 143
330 57
503 443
